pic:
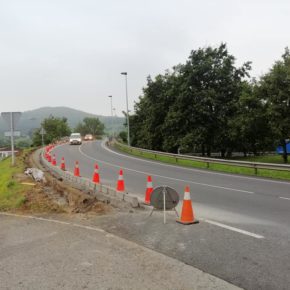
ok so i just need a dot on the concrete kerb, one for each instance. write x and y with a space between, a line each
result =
101 192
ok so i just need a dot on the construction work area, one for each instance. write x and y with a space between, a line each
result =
48 250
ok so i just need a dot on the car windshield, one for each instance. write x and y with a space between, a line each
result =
76 135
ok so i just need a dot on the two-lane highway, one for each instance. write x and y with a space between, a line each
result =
254 212
262 200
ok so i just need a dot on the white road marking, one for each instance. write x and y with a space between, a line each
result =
161 176
234 229
282 197
111 235
193 169
53 221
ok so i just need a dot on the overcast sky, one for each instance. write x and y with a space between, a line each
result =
71 52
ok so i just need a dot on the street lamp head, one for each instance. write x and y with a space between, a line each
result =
109 96
124 73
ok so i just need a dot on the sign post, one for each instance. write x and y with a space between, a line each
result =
11 119
42 133
164 198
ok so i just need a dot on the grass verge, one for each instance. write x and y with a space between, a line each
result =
12 192
285 175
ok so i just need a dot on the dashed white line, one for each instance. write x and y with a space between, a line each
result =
166 177
194 169
234 229
282 197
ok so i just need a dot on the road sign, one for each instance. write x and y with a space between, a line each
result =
42 131
157 198
11 118
164 198
15 117
15 134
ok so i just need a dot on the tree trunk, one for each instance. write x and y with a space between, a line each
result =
223 153
202 150
208 151
285 155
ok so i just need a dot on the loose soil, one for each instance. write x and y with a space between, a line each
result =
54 196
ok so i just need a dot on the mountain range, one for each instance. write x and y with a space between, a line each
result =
31 120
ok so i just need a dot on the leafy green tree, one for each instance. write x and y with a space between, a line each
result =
55 128
250 129
191 106
23 142
90 126
123 136
274 89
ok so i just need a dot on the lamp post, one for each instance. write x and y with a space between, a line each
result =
111 113
128 125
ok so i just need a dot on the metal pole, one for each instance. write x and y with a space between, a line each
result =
128 124
127 113
164 205
42 136
12 138
112 114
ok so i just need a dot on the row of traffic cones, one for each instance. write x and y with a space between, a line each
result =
187 215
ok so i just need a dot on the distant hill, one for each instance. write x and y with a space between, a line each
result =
30 120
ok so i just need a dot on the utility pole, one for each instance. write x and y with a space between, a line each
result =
128 124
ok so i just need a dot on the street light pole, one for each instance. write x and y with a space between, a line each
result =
128 125
111 113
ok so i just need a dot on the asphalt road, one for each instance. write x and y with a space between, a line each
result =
247 218
43 253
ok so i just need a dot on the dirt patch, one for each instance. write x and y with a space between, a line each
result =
54 196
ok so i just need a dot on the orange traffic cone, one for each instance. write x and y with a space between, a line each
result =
62 164
53 161
187 215
96 176
120 183
149 189
77 169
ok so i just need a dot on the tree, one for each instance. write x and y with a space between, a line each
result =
90 126
55 128
123 136
249 128
274 89
191 106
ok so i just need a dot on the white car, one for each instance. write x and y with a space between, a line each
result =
89 137
75 139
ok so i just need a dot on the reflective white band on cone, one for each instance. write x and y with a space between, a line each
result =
187 195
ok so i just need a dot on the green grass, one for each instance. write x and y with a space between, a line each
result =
264 158
11 191
215 166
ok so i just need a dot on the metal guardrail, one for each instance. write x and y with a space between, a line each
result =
254 165
83 183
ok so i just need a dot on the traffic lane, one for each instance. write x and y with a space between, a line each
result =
275 207
252 184
248 258
239 206
233 182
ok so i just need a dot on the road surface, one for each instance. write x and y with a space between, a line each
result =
44 253
248 217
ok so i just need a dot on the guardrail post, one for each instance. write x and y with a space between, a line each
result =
207 164
155 155
176 159
256 169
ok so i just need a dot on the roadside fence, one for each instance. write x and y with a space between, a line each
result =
254 165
